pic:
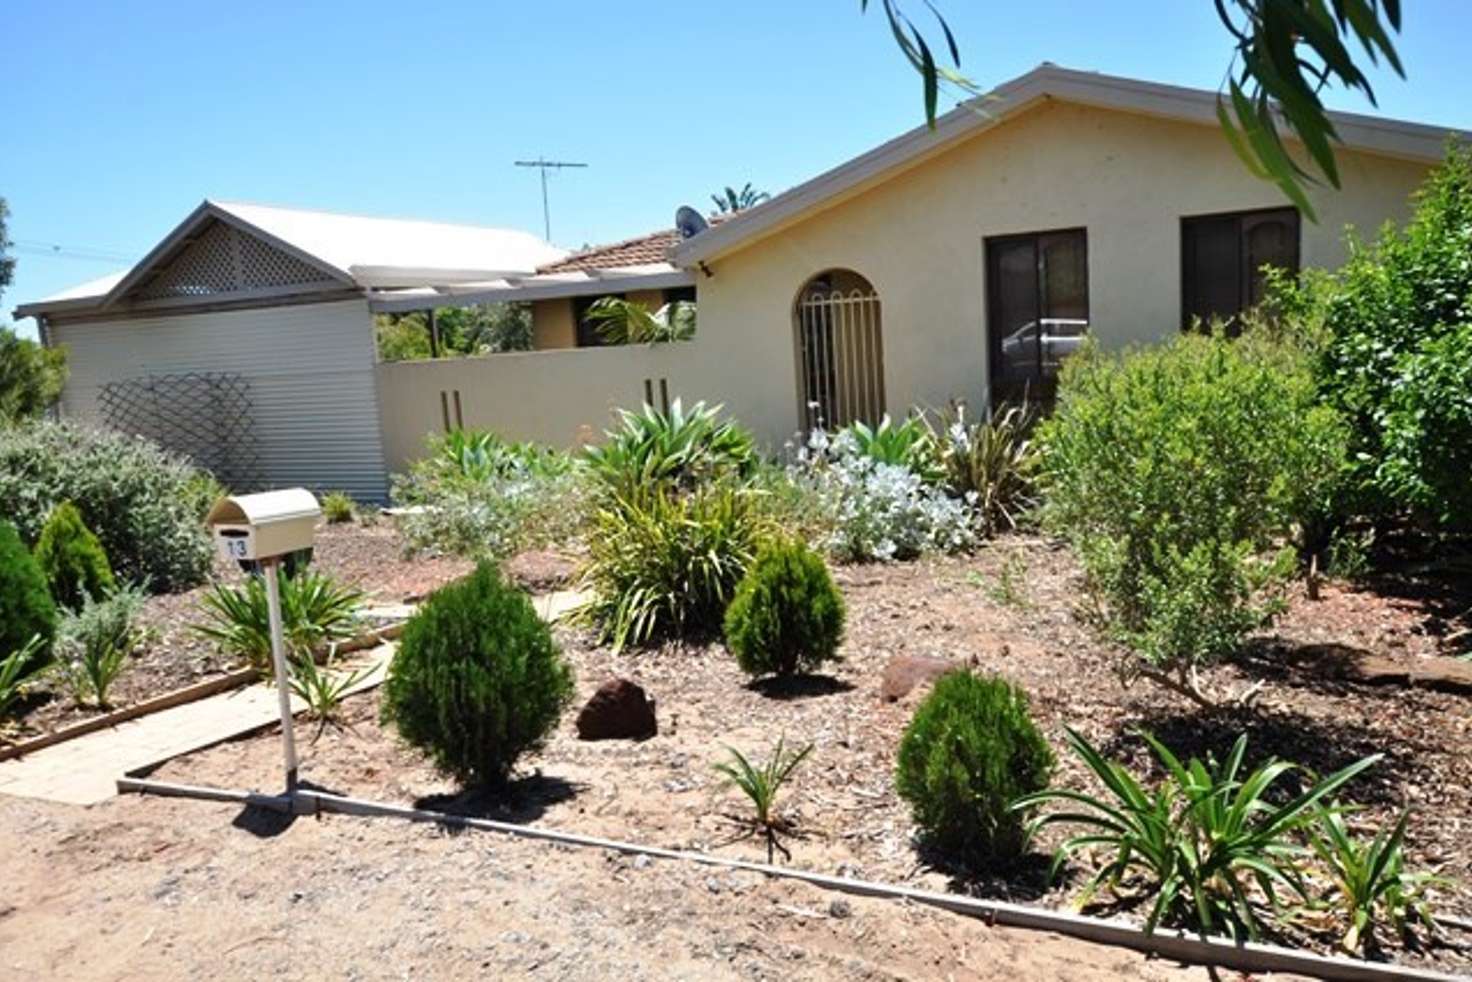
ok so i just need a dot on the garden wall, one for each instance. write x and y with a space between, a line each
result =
564 397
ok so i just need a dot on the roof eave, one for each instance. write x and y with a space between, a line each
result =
1370 134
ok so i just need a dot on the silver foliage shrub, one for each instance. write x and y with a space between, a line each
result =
872 510
144 504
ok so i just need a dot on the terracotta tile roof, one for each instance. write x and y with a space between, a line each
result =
640 251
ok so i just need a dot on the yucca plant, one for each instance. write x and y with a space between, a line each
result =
907 444
323 689
1369 878
482 455
678 448
761 782
992 461
315 610
1201 842
620 321
14 668
661 563
94 642
338 507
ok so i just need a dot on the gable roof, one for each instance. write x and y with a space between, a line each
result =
328 249
1371 134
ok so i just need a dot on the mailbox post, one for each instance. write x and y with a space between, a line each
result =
258 531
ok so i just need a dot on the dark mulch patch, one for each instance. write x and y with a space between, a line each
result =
369 557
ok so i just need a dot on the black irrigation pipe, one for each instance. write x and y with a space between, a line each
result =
1176 945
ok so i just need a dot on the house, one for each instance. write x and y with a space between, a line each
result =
962 261
245 337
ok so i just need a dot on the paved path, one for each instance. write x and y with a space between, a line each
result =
84 771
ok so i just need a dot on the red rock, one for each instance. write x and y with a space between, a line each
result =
619 710
905 672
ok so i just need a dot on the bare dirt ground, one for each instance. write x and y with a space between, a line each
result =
180 890
168 889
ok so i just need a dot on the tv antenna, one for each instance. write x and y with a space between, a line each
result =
542 164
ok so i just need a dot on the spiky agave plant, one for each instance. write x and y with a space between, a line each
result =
13 670
1369 877
315 610
761 782
323 689
1201 842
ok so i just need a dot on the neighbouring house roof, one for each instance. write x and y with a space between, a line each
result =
1370 134
328 250
639 263
642 250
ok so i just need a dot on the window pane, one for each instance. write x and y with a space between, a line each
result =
1211 254
1015 309
1269 240
1065 299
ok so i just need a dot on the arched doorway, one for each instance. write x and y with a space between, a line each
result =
840 350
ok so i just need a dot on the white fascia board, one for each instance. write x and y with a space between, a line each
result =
1395 138
401 276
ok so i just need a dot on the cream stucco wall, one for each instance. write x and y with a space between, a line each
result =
552 325
918 237
564 398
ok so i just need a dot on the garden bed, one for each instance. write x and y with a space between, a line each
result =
369 557
1011 608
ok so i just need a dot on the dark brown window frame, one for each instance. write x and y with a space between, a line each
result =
1244 277
1001 390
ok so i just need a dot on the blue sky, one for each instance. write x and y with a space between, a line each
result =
117 119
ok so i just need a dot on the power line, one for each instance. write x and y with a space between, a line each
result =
544 165
34 247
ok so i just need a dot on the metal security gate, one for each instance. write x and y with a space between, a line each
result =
841 350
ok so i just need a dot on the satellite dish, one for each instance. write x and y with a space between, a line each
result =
690 222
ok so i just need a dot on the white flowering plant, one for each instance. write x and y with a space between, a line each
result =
873 510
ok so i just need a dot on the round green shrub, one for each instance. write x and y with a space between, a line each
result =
969 752
26 608
477 680
142 502
787 615
72 560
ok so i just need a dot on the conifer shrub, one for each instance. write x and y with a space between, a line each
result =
970 750
72 559
477 680
26 608
787 615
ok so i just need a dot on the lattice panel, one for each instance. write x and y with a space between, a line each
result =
264 265
205 416
225 260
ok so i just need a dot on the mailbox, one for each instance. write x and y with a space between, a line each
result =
253 527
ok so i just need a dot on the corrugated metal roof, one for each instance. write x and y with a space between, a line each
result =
349 241
358 249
